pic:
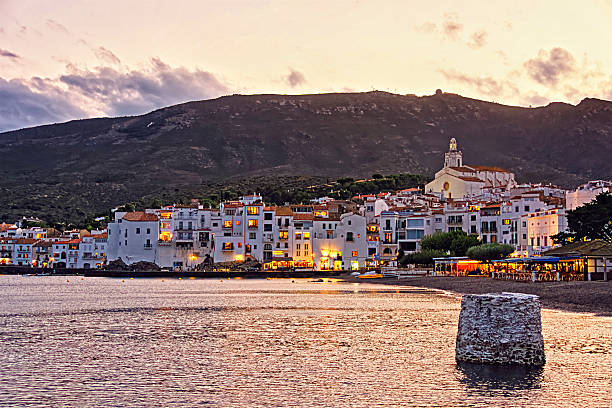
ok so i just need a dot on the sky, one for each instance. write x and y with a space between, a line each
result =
69 59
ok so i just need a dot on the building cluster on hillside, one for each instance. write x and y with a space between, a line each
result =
367 231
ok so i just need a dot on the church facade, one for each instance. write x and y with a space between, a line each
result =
458 180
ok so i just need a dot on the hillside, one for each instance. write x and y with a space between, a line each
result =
89 165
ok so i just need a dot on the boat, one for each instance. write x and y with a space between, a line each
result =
370 275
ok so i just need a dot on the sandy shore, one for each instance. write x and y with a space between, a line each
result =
593 297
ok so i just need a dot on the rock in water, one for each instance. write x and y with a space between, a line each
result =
500 328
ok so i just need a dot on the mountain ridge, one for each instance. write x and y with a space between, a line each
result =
106 161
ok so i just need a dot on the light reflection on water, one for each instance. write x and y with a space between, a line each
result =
258 343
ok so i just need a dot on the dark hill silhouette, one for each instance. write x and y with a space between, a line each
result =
103 162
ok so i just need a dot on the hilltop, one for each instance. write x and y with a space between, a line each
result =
86 166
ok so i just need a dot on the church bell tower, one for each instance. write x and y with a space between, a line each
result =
454 157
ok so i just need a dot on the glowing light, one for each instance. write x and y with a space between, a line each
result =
238 257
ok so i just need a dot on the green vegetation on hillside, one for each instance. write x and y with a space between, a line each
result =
63 205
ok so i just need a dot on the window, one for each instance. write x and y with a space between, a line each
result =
247 249
349 222
354 254
253 223
252 235
387 237
349 236
330 235
297 246
506 221
138 230
252 210
148 230
268 216
267 227
306 246
525 236
228 246
298 235
526 208
473 218
297 253
227 224
238 222
306 235
415 234
414 223
283 235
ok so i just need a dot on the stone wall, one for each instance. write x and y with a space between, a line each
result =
500 328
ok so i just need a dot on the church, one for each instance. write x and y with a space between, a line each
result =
456 180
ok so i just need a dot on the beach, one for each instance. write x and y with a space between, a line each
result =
576 296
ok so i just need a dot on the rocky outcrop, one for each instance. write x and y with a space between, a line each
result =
500 328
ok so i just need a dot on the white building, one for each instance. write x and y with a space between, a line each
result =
457 180
586 193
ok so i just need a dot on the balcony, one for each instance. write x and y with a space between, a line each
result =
164 243
148 246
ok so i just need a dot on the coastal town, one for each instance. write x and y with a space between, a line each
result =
366 232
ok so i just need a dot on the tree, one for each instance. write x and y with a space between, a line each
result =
423 257
377 176
455 242
489 252
590 221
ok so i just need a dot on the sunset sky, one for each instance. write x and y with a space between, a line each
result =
62 60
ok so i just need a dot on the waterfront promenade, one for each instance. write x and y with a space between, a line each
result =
575 296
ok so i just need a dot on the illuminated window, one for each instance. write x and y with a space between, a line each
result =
227 224
165 215
320 213
165 236
506 222
228 246
283 235
253 210
307 235
247 249
253 223
354 253
298 235
237 222
358 235
388 237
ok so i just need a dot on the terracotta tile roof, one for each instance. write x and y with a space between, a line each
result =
490 168
232 205
140 216
463 169
585 248
303 217
101 236
5 227
43 244
332 217
269 208
470 179
26 241
284 211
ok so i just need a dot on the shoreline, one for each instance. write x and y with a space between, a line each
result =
576 296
